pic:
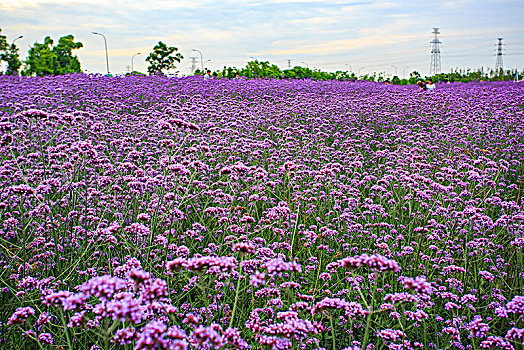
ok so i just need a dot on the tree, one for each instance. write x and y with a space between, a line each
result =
9 54
162 58
395 80
263 69
67 63
41 59
414 77
3 42
13 60
44 59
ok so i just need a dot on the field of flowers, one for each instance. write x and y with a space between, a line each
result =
178 213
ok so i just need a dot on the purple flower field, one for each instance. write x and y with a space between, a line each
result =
178 213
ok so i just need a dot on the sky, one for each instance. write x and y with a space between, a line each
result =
392 37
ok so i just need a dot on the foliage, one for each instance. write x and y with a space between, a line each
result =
12 59
264 69
395 80
9 54
162 58
414 77
3 42
468 75
67 63
44 59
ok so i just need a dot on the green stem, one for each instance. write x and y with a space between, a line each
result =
237 292
62 316
332 332
108 332
31 337
366 333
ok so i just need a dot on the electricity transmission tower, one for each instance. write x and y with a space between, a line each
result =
193 64
289 63
499 66
435 66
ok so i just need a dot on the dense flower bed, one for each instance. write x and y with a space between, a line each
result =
166 213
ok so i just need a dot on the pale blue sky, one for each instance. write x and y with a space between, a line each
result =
370 36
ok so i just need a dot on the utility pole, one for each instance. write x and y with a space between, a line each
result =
404 72
289 63
435 66
193 64
396 69
499 66
201 58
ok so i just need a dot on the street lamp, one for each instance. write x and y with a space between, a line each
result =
207 61
360 70
20 37
132 57
350 69
307 65
105 43
201 59
404 71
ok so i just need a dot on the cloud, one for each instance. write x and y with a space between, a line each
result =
327 32
10 5
334 46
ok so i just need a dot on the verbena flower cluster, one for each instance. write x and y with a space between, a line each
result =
182 213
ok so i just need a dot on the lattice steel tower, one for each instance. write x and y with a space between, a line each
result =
193 64
499 66
435 66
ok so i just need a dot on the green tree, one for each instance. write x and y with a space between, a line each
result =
41 59
9 54
262 69
414 77
44 59
395 80
162 58
3 42
67 63
13 60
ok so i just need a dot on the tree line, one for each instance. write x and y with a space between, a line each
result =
43 58
264 69
49 59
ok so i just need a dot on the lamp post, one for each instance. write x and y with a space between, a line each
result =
360 70
307 65
20 37
350 69
132 57
201 59
105 43
404 72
